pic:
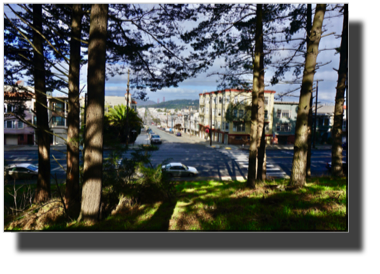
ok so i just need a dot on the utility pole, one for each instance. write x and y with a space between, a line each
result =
127 126
210 119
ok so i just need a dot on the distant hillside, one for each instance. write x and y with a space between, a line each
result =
184 103
141 103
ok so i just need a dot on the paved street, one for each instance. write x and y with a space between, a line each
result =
219 161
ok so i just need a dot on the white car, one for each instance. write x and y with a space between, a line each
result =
179 170
155 139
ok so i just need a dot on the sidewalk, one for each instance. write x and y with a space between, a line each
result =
246 147
143 139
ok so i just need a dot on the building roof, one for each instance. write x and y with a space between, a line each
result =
234 90
285 103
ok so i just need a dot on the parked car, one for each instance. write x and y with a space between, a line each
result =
155 139
20 171
179 170
329 164
178 134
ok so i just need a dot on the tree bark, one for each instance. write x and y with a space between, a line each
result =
43 138
261 124
251 181
72 176
298 175
93 161
337 166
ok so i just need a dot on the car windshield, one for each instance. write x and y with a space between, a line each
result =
32 167
155 136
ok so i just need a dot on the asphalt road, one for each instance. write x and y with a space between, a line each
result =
210 162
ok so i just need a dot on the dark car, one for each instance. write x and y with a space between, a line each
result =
179 170
20 172
329 164
178 134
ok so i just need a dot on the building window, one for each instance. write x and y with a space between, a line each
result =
239 126
286 114
278 113
58 121
265 114
241 113
7 124
21 137
266 101
235 113
326 122
266 128
220 100
35 120
20 124
283 127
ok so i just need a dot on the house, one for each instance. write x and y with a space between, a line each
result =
325 122
284 121
57 115
15 131
112 101
238 131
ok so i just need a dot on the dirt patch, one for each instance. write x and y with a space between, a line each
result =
37 217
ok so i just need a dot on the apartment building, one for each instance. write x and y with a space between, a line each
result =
57 115
15 131
238 131
284 121
191 122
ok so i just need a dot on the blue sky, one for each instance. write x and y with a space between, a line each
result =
190 88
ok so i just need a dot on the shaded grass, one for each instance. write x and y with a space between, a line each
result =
222 205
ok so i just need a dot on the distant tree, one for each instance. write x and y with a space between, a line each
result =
337 166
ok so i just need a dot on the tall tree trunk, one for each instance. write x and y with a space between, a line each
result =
251 181
261 128
337 167
93 161
310 118
72 177
298 175
43 137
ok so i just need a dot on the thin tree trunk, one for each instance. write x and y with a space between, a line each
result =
72 177
310 118
251 181
298 175
93 162
337 166
43 138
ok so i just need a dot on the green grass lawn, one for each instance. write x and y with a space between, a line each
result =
217 205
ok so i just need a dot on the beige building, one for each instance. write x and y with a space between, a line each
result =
15 131
238 131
